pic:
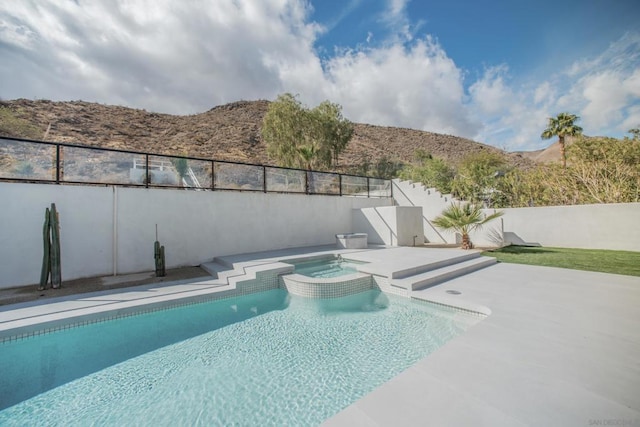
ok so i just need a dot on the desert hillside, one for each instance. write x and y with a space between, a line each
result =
226 132
551 154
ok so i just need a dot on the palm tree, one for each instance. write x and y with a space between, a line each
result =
464 218
562 125
307 154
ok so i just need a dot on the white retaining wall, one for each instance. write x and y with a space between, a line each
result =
390 225
110 229
601 226
432 202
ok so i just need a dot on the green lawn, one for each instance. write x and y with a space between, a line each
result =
617 262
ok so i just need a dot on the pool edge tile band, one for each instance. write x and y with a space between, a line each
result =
39 323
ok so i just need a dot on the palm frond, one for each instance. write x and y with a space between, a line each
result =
463 218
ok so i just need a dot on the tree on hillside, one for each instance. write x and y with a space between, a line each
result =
283 128
464 218
635 132
384 167
303 138
600 170
478 176
606 170
430 171
561 126
333 131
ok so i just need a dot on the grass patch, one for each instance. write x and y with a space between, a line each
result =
617 262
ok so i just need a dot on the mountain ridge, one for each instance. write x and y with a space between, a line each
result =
225 132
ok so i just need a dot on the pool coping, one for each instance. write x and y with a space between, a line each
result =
23 320
36 317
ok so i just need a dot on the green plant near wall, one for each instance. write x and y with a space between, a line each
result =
51 254
464 218
158 255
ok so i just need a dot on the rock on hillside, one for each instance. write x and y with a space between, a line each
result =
226 132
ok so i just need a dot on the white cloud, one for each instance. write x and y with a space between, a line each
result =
606 97
632 121
186 57
607 91
401 29
189 55
417 87
180 58
347 10
603 90
543 93
491 94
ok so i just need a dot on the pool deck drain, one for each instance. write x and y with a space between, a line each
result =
561 347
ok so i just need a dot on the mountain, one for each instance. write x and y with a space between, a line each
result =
551 154
227 132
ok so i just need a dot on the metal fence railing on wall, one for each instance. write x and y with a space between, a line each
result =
24 160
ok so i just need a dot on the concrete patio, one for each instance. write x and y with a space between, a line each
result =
560 348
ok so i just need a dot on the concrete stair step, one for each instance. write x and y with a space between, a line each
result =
230 276
439 245
220 271
448 272
415 270
224 261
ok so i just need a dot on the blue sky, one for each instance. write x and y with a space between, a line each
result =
492 71
477 33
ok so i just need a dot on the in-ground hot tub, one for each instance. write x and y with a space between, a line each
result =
351 241
326 277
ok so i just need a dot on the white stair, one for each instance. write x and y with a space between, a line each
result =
220 271
416 270
441 274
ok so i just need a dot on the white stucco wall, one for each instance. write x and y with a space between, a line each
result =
86 224
602 226
432 202
391 225
194 226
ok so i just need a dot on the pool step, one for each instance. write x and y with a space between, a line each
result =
442 274
233 277
220 271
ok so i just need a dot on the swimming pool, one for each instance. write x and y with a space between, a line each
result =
261 359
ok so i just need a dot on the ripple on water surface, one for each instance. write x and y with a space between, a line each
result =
296 362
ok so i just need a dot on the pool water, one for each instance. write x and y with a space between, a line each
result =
326 268
263 359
